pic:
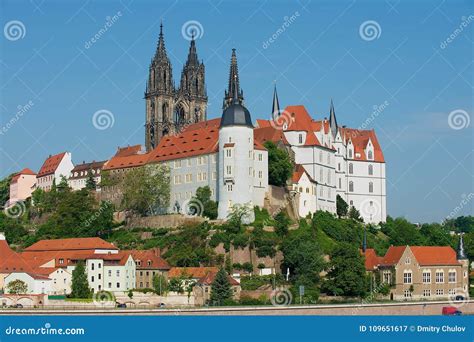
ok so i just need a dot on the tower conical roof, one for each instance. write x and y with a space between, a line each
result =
332 120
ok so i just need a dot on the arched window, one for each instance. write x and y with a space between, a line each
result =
351 186
370 155
371 169
351 168
371 187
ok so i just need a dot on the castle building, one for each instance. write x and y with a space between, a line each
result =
219 153
170 109
342 161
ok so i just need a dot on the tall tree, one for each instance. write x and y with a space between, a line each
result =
221 290
90 182
209 207
280 167
160 284
341 207
80 285
146 190
354 214
346 276
5 190
282 222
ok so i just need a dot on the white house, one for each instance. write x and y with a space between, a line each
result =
53 169
81 173
304 189
37 284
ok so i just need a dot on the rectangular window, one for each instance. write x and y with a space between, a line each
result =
92 279
118 285
110 273
177 164
426 293
229 170
260 157
426 277
440 277
452 277
189 178
439 292
118 273
228 153
407 278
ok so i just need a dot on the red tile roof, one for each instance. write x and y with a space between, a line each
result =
11 261
190 142
134 160
128 151
434 255
25 171
393 255
142 257
371 259
73 244
299 171
194 272
268 133
51 164
208 279
359 139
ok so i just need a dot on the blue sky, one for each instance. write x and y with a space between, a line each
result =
321 53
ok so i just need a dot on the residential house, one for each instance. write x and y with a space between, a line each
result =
148 264
81 173
53 170
22 185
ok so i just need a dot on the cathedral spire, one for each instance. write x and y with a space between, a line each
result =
192 55
161 49
276 104
333 121
234 87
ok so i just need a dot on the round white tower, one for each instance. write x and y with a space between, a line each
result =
235 158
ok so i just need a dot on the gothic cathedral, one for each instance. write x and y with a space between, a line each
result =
169 110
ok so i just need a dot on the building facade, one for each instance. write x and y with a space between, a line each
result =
22 185
53 170
82 172
170 109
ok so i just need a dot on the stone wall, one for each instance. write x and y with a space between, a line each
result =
160 221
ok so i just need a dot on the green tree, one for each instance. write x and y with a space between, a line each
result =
354 214
160 284
80 285
238 215
146 189
221 290
402 232
346 276
203 196
280 167
63 185
342 207
17 287
282 222
90 182
5 189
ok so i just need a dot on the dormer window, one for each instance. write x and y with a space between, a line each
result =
370 155
300 138
350 153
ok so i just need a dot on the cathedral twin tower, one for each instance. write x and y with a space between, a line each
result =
170 109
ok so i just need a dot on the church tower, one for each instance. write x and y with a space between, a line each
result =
191 97
169 110
234 87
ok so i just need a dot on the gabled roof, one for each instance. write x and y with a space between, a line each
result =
208 279
299 171
359 139
142 257
393 255
11 261
128 151
266 133
194 272
51 164
25 171
73 244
